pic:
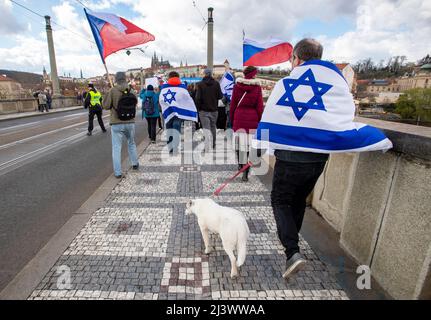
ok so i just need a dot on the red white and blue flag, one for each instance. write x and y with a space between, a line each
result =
263 54
113 33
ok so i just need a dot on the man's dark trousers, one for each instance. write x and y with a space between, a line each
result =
292 183
91 114
152 128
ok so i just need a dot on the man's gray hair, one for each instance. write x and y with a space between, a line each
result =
308 49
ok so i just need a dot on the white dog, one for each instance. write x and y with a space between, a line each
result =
229 223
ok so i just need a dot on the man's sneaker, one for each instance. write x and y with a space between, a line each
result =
136 167
293 265
104 131
119 176
89 133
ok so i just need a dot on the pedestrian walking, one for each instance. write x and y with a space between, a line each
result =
150 110
93 102
48 99
122 104
245 113
303 131
177 106
43 101
208 93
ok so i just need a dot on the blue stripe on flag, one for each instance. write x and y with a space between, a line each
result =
249 51
321 139
96 26
180 112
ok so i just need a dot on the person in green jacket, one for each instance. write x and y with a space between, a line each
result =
150 110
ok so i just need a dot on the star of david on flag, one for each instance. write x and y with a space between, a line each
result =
312 110
176 101
172 98
300 108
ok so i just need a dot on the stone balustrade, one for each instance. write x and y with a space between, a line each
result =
28 105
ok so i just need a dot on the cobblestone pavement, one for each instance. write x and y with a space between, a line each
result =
141 245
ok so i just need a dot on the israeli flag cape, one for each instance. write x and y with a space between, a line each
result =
226 83
176 101
312 110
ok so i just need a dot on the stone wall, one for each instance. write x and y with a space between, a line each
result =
27 105
381 205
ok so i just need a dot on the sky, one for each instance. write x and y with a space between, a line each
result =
348 30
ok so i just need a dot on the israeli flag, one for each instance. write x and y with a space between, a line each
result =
312 110
176 101
226 83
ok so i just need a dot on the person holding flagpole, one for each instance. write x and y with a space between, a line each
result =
309 115
121 128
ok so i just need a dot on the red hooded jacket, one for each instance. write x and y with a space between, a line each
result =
247 114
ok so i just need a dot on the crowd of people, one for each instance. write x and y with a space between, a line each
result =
295 173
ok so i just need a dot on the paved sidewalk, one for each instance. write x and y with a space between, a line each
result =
20 115
140 244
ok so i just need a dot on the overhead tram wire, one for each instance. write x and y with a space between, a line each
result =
52 21
200 13
80 2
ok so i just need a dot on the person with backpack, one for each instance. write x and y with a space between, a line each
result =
122 103
150 110
93 101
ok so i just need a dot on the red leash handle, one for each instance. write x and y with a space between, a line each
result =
219 190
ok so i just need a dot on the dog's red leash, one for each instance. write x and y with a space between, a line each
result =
219 190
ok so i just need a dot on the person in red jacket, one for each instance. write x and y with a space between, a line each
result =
245 114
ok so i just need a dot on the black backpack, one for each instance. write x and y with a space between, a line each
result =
126 109
148 106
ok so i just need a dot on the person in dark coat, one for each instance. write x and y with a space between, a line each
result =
208 93
245 113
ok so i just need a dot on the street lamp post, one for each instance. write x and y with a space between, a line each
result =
53 63
210 48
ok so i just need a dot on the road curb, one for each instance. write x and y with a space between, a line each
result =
26 281
24 116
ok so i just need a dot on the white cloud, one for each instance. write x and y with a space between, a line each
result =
9 24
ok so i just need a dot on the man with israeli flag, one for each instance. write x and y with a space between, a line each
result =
177 106
308 116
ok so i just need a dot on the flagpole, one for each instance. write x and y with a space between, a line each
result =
107 73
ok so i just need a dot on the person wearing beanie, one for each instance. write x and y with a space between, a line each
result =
245 114
93 101
121 128
150 110
208 93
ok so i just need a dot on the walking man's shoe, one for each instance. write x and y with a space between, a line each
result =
89 133
136 167
104 130
294 264
119 176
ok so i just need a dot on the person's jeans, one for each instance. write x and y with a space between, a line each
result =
152 128
209 124
292 183
171 125
118 131
91 115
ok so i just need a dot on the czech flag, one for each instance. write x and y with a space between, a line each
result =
113 33
267 53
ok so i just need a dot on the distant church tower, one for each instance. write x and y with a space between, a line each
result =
82 76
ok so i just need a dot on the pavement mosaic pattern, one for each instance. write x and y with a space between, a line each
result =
141 245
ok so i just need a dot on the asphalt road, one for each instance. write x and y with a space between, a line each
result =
48 168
